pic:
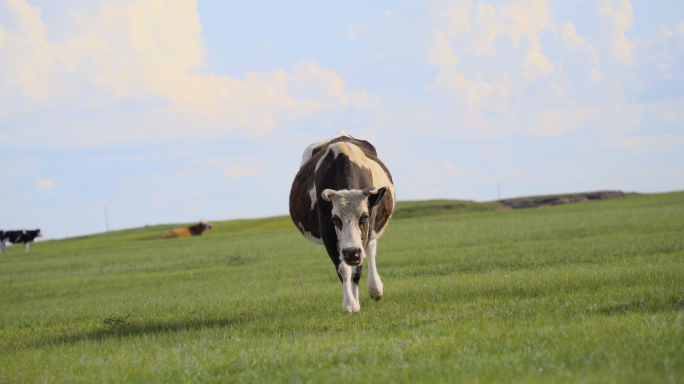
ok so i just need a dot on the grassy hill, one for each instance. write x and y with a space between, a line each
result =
589 292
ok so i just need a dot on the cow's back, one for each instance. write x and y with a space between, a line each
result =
180 232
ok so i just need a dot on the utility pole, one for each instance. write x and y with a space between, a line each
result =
498 190
106 219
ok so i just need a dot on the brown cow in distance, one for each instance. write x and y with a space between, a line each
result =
195 230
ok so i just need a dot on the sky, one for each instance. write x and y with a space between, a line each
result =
172 111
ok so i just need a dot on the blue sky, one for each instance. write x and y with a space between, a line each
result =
173 111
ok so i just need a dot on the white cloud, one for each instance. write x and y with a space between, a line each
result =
26 57
146 49
561 121
596 75
441 54
572 41
520 24
237 171
620 18
491 62
680 28
465 90
46 184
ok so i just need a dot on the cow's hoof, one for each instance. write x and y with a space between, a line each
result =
352 306
375 293
347 306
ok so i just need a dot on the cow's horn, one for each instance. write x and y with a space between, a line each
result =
327 194
370 191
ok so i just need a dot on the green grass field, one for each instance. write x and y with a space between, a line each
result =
588 292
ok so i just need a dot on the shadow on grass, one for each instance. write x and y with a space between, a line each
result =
642 305
123 326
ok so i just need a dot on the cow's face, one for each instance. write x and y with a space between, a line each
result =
205 226
351 217
40 233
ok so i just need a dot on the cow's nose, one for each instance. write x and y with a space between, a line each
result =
352 255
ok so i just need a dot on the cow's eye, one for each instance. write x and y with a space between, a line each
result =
363 219
336 220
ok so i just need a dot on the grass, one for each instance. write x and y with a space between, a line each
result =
589 292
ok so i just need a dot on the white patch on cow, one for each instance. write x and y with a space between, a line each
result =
308 152
349 304
375 287
354 153
355 290
308 235
349 206
312 196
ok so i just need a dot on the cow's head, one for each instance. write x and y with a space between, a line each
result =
204 225
40 233
351 215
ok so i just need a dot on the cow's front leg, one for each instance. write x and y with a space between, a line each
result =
2 246
375 287
26 246
350 303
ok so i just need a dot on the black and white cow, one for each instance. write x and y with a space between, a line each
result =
15 237
343 197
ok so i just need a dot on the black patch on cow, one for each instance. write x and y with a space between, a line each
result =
363 144
357 275
374 200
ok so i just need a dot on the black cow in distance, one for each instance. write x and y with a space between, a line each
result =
16 237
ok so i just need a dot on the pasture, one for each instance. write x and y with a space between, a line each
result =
588 292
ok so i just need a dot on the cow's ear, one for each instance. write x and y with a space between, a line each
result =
327 194
374 198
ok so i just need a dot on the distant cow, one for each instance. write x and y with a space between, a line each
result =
16 237
343 197
195 230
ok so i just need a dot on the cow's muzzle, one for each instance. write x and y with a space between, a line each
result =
352 256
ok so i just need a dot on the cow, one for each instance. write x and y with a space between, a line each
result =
195 230
343 198
15 237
